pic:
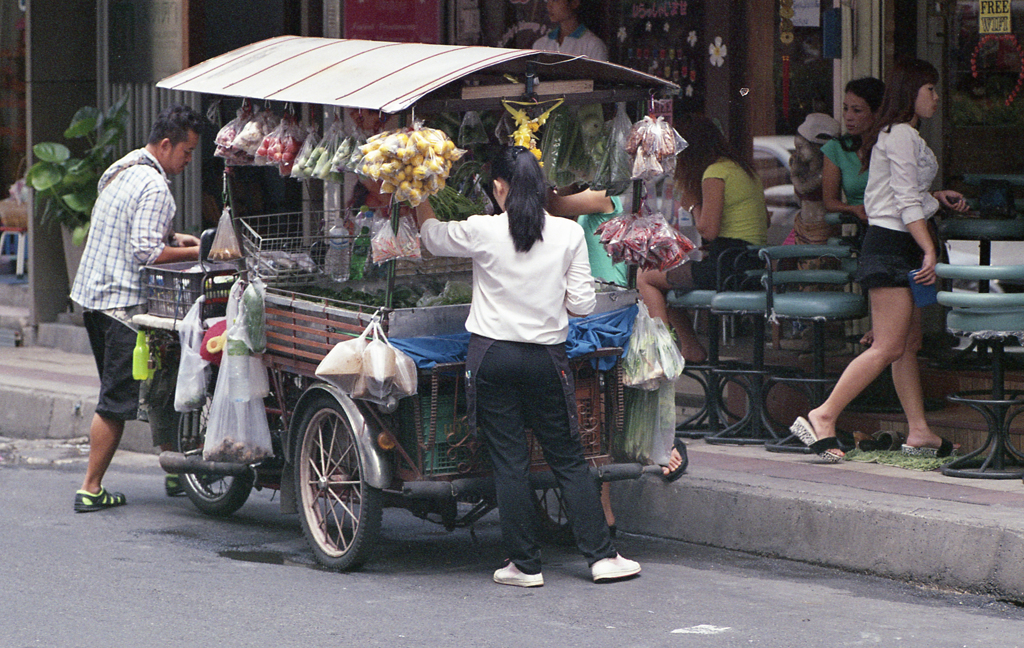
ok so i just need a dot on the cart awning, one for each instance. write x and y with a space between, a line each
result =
379 75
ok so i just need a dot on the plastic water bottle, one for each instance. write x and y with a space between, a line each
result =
140 357
339 252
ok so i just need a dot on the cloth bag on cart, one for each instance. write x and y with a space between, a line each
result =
193 370
370 368
237 429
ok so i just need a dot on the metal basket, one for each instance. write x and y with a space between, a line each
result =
288 249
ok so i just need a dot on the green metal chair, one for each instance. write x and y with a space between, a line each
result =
787 299
998 320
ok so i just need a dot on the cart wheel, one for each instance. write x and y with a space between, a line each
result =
554 523
340 514
216 495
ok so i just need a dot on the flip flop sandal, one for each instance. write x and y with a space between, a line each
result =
944 450
86 502
681 468
805 432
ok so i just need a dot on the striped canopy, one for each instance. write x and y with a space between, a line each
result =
378 75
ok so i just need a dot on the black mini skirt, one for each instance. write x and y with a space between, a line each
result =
886 256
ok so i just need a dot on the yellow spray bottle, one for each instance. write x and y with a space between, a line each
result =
140 357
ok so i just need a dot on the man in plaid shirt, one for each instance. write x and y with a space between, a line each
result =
131 226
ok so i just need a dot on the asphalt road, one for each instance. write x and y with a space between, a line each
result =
159 573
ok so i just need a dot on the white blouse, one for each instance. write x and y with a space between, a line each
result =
519 296
900 177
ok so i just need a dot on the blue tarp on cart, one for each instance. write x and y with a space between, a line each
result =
586 335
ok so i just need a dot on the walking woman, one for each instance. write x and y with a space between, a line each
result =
530 271
898 202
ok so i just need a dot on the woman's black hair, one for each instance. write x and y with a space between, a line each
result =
524 204
871 90
907 78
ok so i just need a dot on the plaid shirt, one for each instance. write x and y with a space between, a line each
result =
131 222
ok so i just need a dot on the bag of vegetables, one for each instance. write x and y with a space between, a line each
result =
652 356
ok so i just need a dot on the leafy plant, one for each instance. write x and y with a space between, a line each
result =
66 187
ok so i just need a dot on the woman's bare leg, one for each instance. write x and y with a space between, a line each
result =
652 285
892 314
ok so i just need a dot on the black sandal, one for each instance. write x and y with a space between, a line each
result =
681 468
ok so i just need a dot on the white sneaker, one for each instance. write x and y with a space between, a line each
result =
613 568
510 575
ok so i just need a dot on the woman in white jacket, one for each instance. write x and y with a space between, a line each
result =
530 271
898 202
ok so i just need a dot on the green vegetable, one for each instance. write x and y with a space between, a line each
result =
255 317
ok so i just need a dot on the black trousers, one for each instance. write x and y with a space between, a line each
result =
512 386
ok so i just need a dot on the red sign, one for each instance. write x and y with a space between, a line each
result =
402 21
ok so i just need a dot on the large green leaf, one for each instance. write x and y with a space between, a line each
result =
44 175
118 112
81 201
79 234
110 136
83 123
51 152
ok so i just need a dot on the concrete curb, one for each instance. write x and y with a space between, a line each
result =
946 544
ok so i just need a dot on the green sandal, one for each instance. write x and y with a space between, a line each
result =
172 484
86 502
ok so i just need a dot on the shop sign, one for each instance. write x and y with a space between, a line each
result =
401 21
994 17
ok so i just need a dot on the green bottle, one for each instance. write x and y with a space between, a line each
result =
140 357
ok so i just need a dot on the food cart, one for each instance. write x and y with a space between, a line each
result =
338 461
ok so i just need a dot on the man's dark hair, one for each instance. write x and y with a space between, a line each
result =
174 123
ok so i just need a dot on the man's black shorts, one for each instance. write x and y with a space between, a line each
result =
112 346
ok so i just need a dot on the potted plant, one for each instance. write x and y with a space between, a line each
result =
66 187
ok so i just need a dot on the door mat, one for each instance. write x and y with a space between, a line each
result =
898 459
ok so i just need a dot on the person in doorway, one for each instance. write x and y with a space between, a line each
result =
726 198
570 36
131 227
898 200
530 271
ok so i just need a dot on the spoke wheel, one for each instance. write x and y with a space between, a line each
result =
554 522
339 513
215 495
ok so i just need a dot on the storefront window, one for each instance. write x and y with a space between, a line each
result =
803 76
986 70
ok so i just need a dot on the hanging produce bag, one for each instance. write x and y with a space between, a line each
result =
302 169
654 144
193 369
225 245
615 170
370 368
652 356
646 241
237 429
386 244
649 425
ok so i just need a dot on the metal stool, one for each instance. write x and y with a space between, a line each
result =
19 235
994 318
706 419
787 300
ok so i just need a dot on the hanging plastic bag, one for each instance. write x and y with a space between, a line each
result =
614 173
193 370
226 136
471 130
652 355
225 245
252 316
301 168
237 429
370 368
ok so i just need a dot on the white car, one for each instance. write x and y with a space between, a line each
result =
771 161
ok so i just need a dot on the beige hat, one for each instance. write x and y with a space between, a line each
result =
818 128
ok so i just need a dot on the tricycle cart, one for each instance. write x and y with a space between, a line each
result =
339 461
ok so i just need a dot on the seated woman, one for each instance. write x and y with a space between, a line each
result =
726 199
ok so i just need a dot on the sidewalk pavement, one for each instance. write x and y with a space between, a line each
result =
923 527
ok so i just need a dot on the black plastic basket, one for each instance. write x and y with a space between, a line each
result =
172 288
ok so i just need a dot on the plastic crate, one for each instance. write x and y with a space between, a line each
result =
446 445
172 288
